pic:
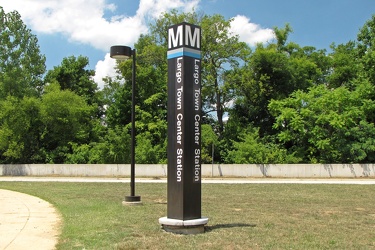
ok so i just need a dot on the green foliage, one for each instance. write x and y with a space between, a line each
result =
285 103
149 152
252 150
151 137
66 119
112 148
116 146
220 50
366 48
20 130
328 125
72 75
345 64
209 140
118 102
21 64
41 130
274 72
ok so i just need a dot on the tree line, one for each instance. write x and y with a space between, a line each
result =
273 103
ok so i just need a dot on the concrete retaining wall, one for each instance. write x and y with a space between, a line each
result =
227 170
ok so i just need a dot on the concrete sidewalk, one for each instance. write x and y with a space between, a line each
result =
346 181
27 222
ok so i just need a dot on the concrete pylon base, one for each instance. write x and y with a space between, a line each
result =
195 226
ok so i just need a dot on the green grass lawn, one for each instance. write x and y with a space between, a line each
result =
241 216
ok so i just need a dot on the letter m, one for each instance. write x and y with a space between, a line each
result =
193 39
175 40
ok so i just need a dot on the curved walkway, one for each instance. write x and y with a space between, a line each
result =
27 222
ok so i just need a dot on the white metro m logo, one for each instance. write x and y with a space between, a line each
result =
184 35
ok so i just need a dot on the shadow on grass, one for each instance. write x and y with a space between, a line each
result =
231 225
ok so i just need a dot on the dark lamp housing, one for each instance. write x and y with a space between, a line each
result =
120 52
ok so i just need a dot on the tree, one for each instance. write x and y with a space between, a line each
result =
112 148
217 58
324 125
346 66
151 90
265 77
151 100
118 104
366 48
66 120
21 64
43 130
20 130
252 150
221 51
210 141
73 75
274 72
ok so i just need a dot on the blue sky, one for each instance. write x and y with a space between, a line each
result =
90 27
315 22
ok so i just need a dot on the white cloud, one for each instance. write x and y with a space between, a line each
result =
154 8
83 20
250 33
80 20
105 68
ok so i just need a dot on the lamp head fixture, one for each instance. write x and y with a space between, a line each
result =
120 52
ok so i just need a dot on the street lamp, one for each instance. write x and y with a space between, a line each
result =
120 52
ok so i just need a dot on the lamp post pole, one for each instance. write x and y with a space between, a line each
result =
120 52
132 168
